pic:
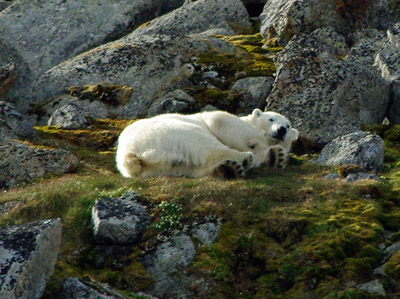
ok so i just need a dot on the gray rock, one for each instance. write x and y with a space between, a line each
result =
119 220
8 206
4 4
388 57
75 288
332 176
353 177
391 251
380 270
372 287
28 254
94 109
69 117
282 19
206 233
167 263
324 95
8 76
173 102
46 33
360 148
13 125
394 108
19 162
198 17
148 68
255 90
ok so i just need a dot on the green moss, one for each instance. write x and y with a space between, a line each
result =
392 267
113 95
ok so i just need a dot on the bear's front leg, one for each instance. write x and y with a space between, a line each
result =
277 157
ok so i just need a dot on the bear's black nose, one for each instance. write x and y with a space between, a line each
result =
281 132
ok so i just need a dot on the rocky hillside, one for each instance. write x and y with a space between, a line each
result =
74 74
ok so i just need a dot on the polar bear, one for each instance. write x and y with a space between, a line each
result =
190 145
277 130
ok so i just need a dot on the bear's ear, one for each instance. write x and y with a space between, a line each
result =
295 134
256 112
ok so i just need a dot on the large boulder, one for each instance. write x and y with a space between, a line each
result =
13 125
45 33
324 95
28 254
69 117
167 263
19 162
198 17
361 148
119 220
282 19
148 64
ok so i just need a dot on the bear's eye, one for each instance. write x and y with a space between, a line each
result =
252 146
288 126
271 119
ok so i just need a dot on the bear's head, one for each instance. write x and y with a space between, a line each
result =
275 126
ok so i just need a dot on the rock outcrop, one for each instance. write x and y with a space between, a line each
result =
13 125
324 95
360 148
19 162
119 220
27 256
46 33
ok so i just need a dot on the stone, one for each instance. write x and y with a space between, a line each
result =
75 288
13 125
282 19
8 76
255 90
394 108
206 233
372 287
324 95
353 177
28 254
360 148
119 220
388 57
46 33
148 64
167 263
69 117
332 176
173 102
19 162
199 16
391 251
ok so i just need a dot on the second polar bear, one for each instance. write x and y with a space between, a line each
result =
190 145
277 131
276 128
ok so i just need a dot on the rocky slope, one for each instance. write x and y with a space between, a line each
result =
73 75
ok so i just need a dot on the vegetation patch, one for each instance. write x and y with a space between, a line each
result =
113 95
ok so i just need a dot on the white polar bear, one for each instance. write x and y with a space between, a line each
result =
190 145
277 131
275 126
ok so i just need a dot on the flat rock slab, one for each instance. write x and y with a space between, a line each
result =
27 256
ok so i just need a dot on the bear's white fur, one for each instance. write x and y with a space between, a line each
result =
189 145
276 128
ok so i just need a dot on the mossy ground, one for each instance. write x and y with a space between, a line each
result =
250 59
285 234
